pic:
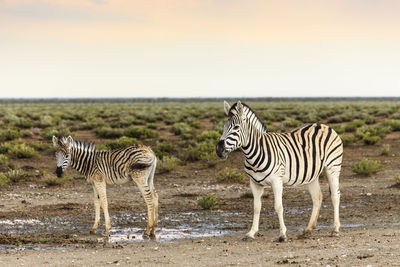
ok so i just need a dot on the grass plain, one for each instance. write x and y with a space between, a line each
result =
183 136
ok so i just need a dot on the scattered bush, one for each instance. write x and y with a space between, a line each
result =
49 132
339 129
108 132
118 143
183 129
228 175
168 164
291 123
207 202
204 151
347 139
209 136
352 126
366 167
164 149
9 134
21 151
52 180
3 160
385 150
15 175
140 133
370 140
3 180
393 124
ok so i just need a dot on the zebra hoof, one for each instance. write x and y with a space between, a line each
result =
248 238
281 239
93 231
146 236
153 236
334 234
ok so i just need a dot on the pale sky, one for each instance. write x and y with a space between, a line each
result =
190 48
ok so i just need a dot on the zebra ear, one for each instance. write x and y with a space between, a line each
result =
55 141
69 141
239 108
227 107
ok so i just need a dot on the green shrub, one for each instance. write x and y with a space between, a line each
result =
15 175
3 180
228 175
107 132
366 167
140 133
352 126
168 164
164 149
40 146
182 128
52 180
347 139
204 151
48 133
385 150
24 123
45 121
21 151
393 124
339 129
370 140
291 123
118 143
209 136
9 134
207 202
3 160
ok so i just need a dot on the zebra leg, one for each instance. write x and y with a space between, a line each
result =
155 221
148 198
96 200
257 191
101 190
316 196
333 179
277 187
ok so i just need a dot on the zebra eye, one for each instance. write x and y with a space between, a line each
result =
236 127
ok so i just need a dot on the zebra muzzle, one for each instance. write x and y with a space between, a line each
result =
220 149
59 172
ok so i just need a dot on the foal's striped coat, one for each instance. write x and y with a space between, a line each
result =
111 167
293 158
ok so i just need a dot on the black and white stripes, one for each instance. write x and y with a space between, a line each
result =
111 167
294 158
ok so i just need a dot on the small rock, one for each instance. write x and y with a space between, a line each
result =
369 194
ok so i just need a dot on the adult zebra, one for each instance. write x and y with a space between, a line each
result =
111 167
294 158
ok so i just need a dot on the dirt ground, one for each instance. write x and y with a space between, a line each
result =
370 217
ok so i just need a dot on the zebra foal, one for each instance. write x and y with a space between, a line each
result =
294 158
137 163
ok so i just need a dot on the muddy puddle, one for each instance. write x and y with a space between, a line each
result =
126 228
67 232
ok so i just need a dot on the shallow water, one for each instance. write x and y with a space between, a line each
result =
129 227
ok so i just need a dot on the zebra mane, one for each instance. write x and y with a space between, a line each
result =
251 115
81 145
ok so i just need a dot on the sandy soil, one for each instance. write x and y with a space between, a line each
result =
370 216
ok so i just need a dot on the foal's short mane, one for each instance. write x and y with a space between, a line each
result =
249 112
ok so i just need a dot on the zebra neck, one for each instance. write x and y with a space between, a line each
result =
255 121
82 158
251 136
